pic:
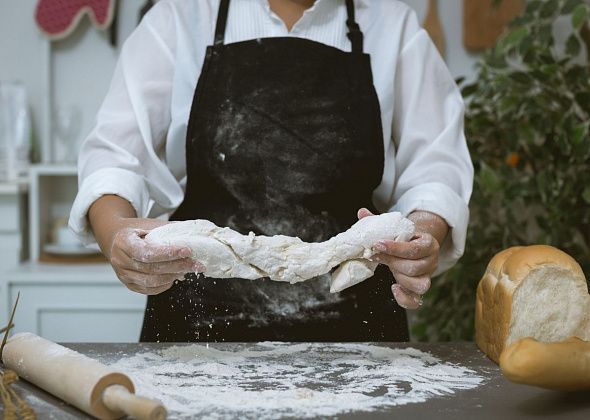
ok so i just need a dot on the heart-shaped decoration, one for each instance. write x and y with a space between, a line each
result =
58 18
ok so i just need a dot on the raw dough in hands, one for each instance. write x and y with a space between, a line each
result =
226 253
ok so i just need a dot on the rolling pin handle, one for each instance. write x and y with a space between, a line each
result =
118 399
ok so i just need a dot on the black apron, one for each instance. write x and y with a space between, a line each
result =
284 137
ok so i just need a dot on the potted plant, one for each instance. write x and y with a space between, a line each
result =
527 123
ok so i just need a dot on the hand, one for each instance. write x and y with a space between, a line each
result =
412 263
145 268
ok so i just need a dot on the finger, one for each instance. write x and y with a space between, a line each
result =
184 265
417 285
150 291
413 268
138 249
420 247
147 280
363 212
406 299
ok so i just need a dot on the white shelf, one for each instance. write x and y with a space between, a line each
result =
44 273
52 191
53 169
14 187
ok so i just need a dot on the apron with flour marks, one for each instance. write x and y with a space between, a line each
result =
284 137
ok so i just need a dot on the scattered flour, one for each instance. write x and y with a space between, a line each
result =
274 380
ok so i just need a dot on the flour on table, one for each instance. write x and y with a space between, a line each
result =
226 253
273 380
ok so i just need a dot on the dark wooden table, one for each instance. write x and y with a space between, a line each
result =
497 398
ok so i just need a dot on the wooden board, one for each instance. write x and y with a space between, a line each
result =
45 257
433 26
483 23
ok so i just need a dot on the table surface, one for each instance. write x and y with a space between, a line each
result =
496 398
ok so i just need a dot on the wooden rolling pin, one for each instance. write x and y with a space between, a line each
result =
77 379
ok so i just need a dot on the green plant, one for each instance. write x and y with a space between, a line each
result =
527 120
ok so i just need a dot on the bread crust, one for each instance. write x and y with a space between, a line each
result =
520 263
561 366
504 274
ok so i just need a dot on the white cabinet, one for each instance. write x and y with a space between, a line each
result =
66 302
13 235
72 303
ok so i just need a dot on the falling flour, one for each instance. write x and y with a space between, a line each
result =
304 380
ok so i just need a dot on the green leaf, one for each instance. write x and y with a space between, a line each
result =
583 99
497 61
545 35
469 90
542 184
572 46
489 179
570 5
526 133
549 69
586 194
419 330
520 77
525 45
578 133
549 8
521 20
532 6
513 37
579 16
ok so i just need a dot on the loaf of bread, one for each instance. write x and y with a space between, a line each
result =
563 366
536 291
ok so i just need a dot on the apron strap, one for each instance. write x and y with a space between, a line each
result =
354 31
221 22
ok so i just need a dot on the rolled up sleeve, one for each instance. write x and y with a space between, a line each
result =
434 172
121 182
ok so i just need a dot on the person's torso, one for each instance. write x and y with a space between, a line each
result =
383 23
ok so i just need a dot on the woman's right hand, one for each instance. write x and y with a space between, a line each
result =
146 268
143 268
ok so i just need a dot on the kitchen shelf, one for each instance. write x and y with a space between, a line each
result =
42 273
14 187
52 191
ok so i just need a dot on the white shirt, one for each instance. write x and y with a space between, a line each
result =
137 147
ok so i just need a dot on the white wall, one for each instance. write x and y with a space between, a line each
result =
75 72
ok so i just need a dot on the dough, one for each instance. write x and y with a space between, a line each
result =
226 253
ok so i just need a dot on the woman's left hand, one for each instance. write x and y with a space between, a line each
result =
412 263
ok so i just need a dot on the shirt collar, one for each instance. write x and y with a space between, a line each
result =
363 3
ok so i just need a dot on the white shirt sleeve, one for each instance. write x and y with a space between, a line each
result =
433 168
128 139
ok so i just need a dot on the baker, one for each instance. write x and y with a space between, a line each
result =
277 117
